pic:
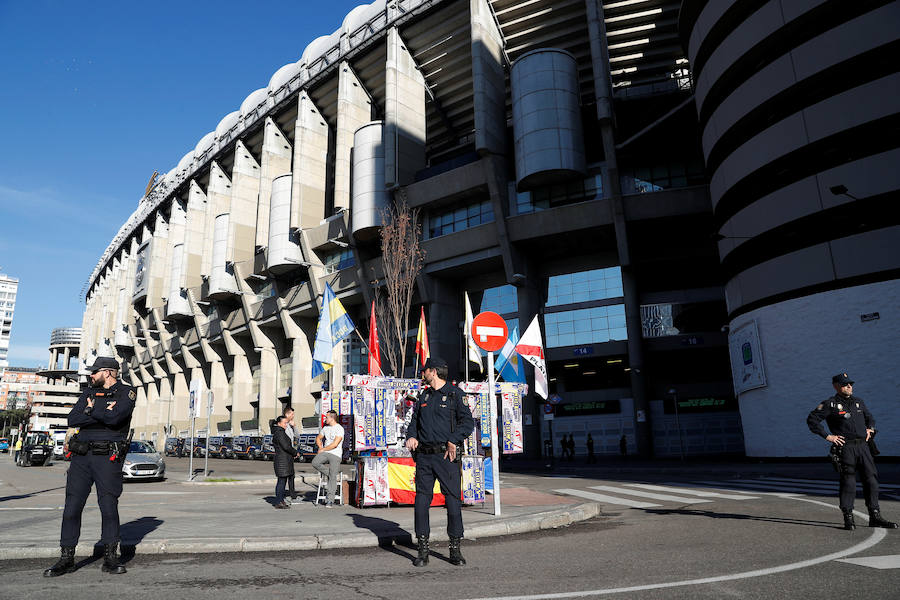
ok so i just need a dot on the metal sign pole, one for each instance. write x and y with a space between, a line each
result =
191 460
209 409
495 450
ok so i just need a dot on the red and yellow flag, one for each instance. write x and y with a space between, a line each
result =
374 350
422 339
402 482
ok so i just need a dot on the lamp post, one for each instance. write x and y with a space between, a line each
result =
674 393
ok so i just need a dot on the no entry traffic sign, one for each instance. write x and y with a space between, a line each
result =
489 331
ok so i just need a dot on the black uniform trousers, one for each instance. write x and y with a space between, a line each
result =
855 457
84 471
429 467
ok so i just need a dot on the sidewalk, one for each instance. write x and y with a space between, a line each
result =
237 516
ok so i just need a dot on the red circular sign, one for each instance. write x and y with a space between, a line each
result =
489 331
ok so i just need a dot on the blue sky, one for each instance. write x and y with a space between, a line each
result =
95 96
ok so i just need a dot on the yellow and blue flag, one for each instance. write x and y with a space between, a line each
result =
334 325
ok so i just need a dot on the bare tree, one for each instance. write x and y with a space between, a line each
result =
403 257
387 336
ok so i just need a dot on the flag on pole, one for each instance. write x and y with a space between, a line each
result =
508 364
531 348
422 339
334 325
473 352
374 350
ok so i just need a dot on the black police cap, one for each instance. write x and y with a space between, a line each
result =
841 378
104 362
434 362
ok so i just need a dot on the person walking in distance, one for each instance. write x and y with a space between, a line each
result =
102 415
852 426
440 423
328 461
284 459
590 450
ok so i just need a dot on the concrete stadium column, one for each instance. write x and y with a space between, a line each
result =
488 80
241 389
301 361
66 358
180 398
404 114
310 165
196 263
445 312
159 263
54 355
140 409
276 160
354 109
162 410
177 222
269 406
218 196
530 300
245 179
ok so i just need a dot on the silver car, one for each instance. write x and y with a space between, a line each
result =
143 462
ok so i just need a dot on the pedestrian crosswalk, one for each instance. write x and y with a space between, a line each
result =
700 491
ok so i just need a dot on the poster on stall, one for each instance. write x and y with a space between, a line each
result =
346 403
472 479
374 483
380 409
364 419
512 422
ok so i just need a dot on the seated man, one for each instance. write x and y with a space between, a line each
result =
330 442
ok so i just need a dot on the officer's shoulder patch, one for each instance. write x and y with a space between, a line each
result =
132 395
820 407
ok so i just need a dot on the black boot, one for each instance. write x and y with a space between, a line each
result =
422 559
456 557
849 524
111 562
65 564
876 520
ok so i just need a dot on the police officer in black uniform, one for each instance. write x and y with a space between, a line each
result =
440 423
852 426
103 417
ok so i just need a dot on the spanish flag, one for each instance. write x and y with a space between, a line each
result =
402 482
422 339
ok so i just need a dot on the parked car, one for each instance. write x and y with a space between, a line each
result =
143 462
199 447
220 447
36 449
4 444
247 446
59 445
268 448
306 446
175 447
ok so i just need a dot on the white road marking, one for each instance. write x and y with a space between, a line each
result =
607 499
873 539
826 481
651 495
890 561
702 494
739 485
34 508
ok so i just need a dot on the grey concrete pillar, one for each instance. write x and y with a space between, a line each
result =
66 353
218 194
310 165
54 356
404 114
276 161
245 177
354 109
488 80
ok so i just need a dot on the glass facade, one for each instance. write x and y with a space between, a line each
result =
557 195
662 176
501 300
586 326
356 360
598 284
340 259
459 218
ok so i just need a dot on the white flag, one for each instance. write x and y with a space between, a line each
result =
531 348
473 352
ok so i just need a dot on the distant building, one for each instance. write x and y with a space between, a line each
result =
9 286
59 390
17 387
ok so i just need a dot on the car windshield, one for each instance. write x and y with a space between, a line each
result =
141 447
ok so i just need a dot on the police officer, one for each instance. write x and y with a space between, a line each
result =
103 416
852 426
440 423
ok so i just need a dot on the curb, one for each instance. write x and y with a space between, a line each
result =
551 519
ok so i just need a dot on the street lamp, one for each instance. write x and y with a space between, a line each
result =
674 393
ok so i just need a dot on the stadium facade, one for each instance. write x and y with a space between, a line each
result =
554 152
799 113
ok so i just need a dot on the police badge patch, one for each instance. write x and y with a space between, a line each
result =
132 395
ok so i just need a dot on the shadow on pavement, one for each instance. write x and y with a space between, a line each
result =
717 515
29 495
390 535
132 533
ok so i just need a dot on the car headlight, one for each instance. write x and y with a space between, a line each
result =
128 463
